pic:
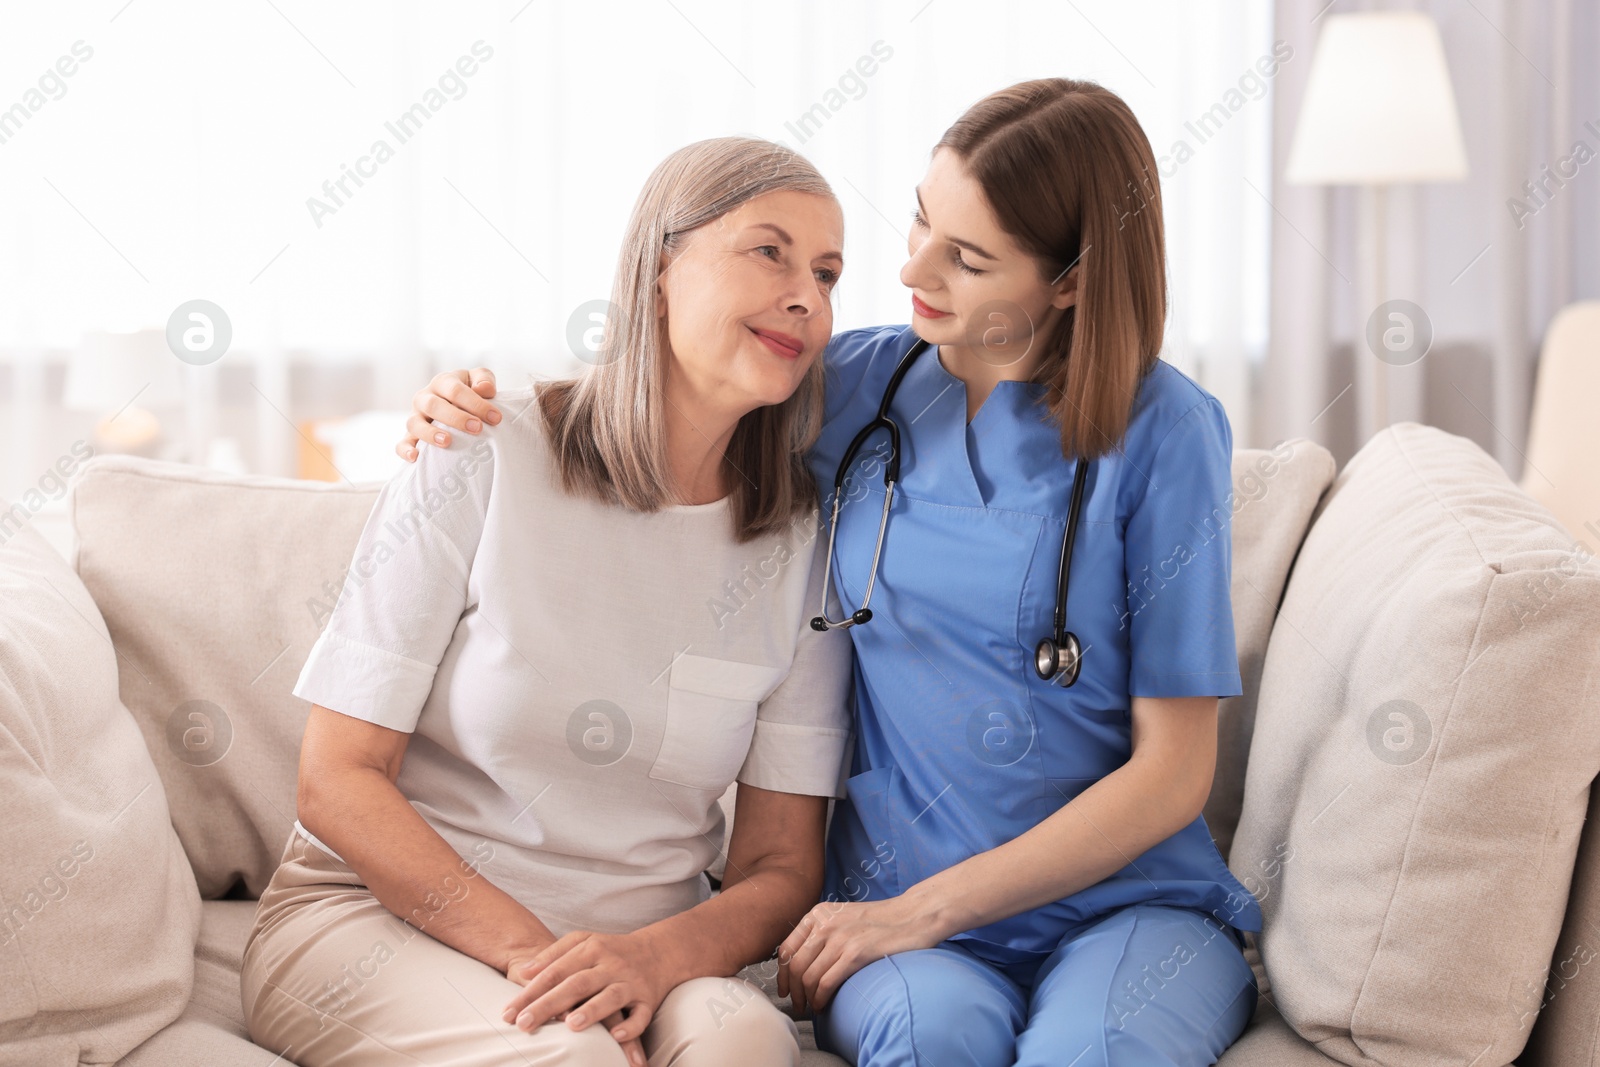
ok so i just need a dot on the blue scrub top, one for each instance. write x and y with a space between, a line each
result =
960 746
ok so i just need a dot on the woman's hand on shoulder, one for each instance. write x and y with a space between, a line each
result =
455 398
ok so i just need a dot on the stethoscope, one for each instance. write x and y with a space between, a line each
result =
1057 658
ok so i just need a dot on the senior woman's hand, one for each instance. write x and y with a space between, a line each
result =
592 977
458 398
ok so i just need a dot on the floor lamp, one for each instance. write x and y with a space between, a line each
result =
120 377
1378 111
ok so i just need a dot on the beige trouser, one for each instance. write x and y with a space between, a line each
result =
332 978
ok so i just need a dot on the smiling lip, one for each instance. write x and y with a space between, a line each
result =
925 311
781 343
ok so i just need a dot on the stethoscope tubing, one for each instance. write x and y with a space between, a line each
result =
1048 659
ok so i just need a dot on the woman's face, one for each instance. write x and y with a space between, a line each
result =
746 300
971 285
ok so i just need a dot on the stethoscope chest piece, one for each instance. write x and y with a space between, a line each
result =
1059 663
1058 658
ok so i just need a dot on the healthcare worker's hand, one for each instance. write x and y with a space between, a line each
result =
838 938
592 978
457 398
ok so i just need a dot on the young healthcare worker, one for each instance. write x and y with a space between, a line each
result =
1020 873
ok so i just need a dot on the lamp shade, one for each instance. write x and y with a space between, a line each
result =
1378 106
108 370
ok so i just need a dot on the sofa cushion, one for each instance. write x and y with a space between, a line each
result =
1274 493
1270 1042
1424 743
214 588
1566 1004
98 906
211 1030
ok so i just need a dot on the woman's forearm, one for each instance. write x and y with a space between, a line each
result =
1096 834
740 925
414 872
773 877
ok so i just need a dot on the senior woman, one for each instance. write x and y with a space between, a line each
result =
556 649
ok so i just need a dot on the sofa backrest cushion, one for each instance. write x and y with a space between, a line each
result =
98 907
1424 744
1274 492
214 588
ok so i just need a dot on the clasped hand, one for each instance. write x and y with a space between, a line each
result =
616 979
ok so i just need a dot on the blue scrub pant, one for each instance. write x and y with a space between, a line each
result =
1150 985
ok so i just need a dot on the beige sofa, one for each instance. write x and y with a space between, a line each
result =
1403 785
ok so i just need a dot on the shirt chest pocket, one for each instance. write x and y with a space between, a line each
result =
711 717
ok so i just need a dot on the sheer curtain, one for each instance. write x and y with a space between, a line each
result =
1490 260
374 191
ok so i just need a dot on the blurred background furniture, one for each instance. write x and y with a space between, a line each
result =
120 377
1564 437
1378 111
469 247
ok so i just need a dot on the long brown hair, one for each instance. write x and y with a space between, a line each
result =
608 427
1069 173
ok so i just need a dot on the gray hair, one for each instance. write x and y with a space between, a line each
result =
608 427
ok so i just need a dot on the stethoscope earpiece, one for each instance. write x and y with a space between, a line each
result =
857 617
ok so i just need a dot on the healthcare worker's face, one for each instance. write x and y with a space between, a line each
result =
746 301
972 286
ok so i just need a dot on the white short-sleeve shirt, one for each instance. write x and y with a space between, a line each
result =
582 682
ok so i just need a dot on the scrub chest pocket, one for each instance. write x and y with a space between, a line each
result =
711 718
